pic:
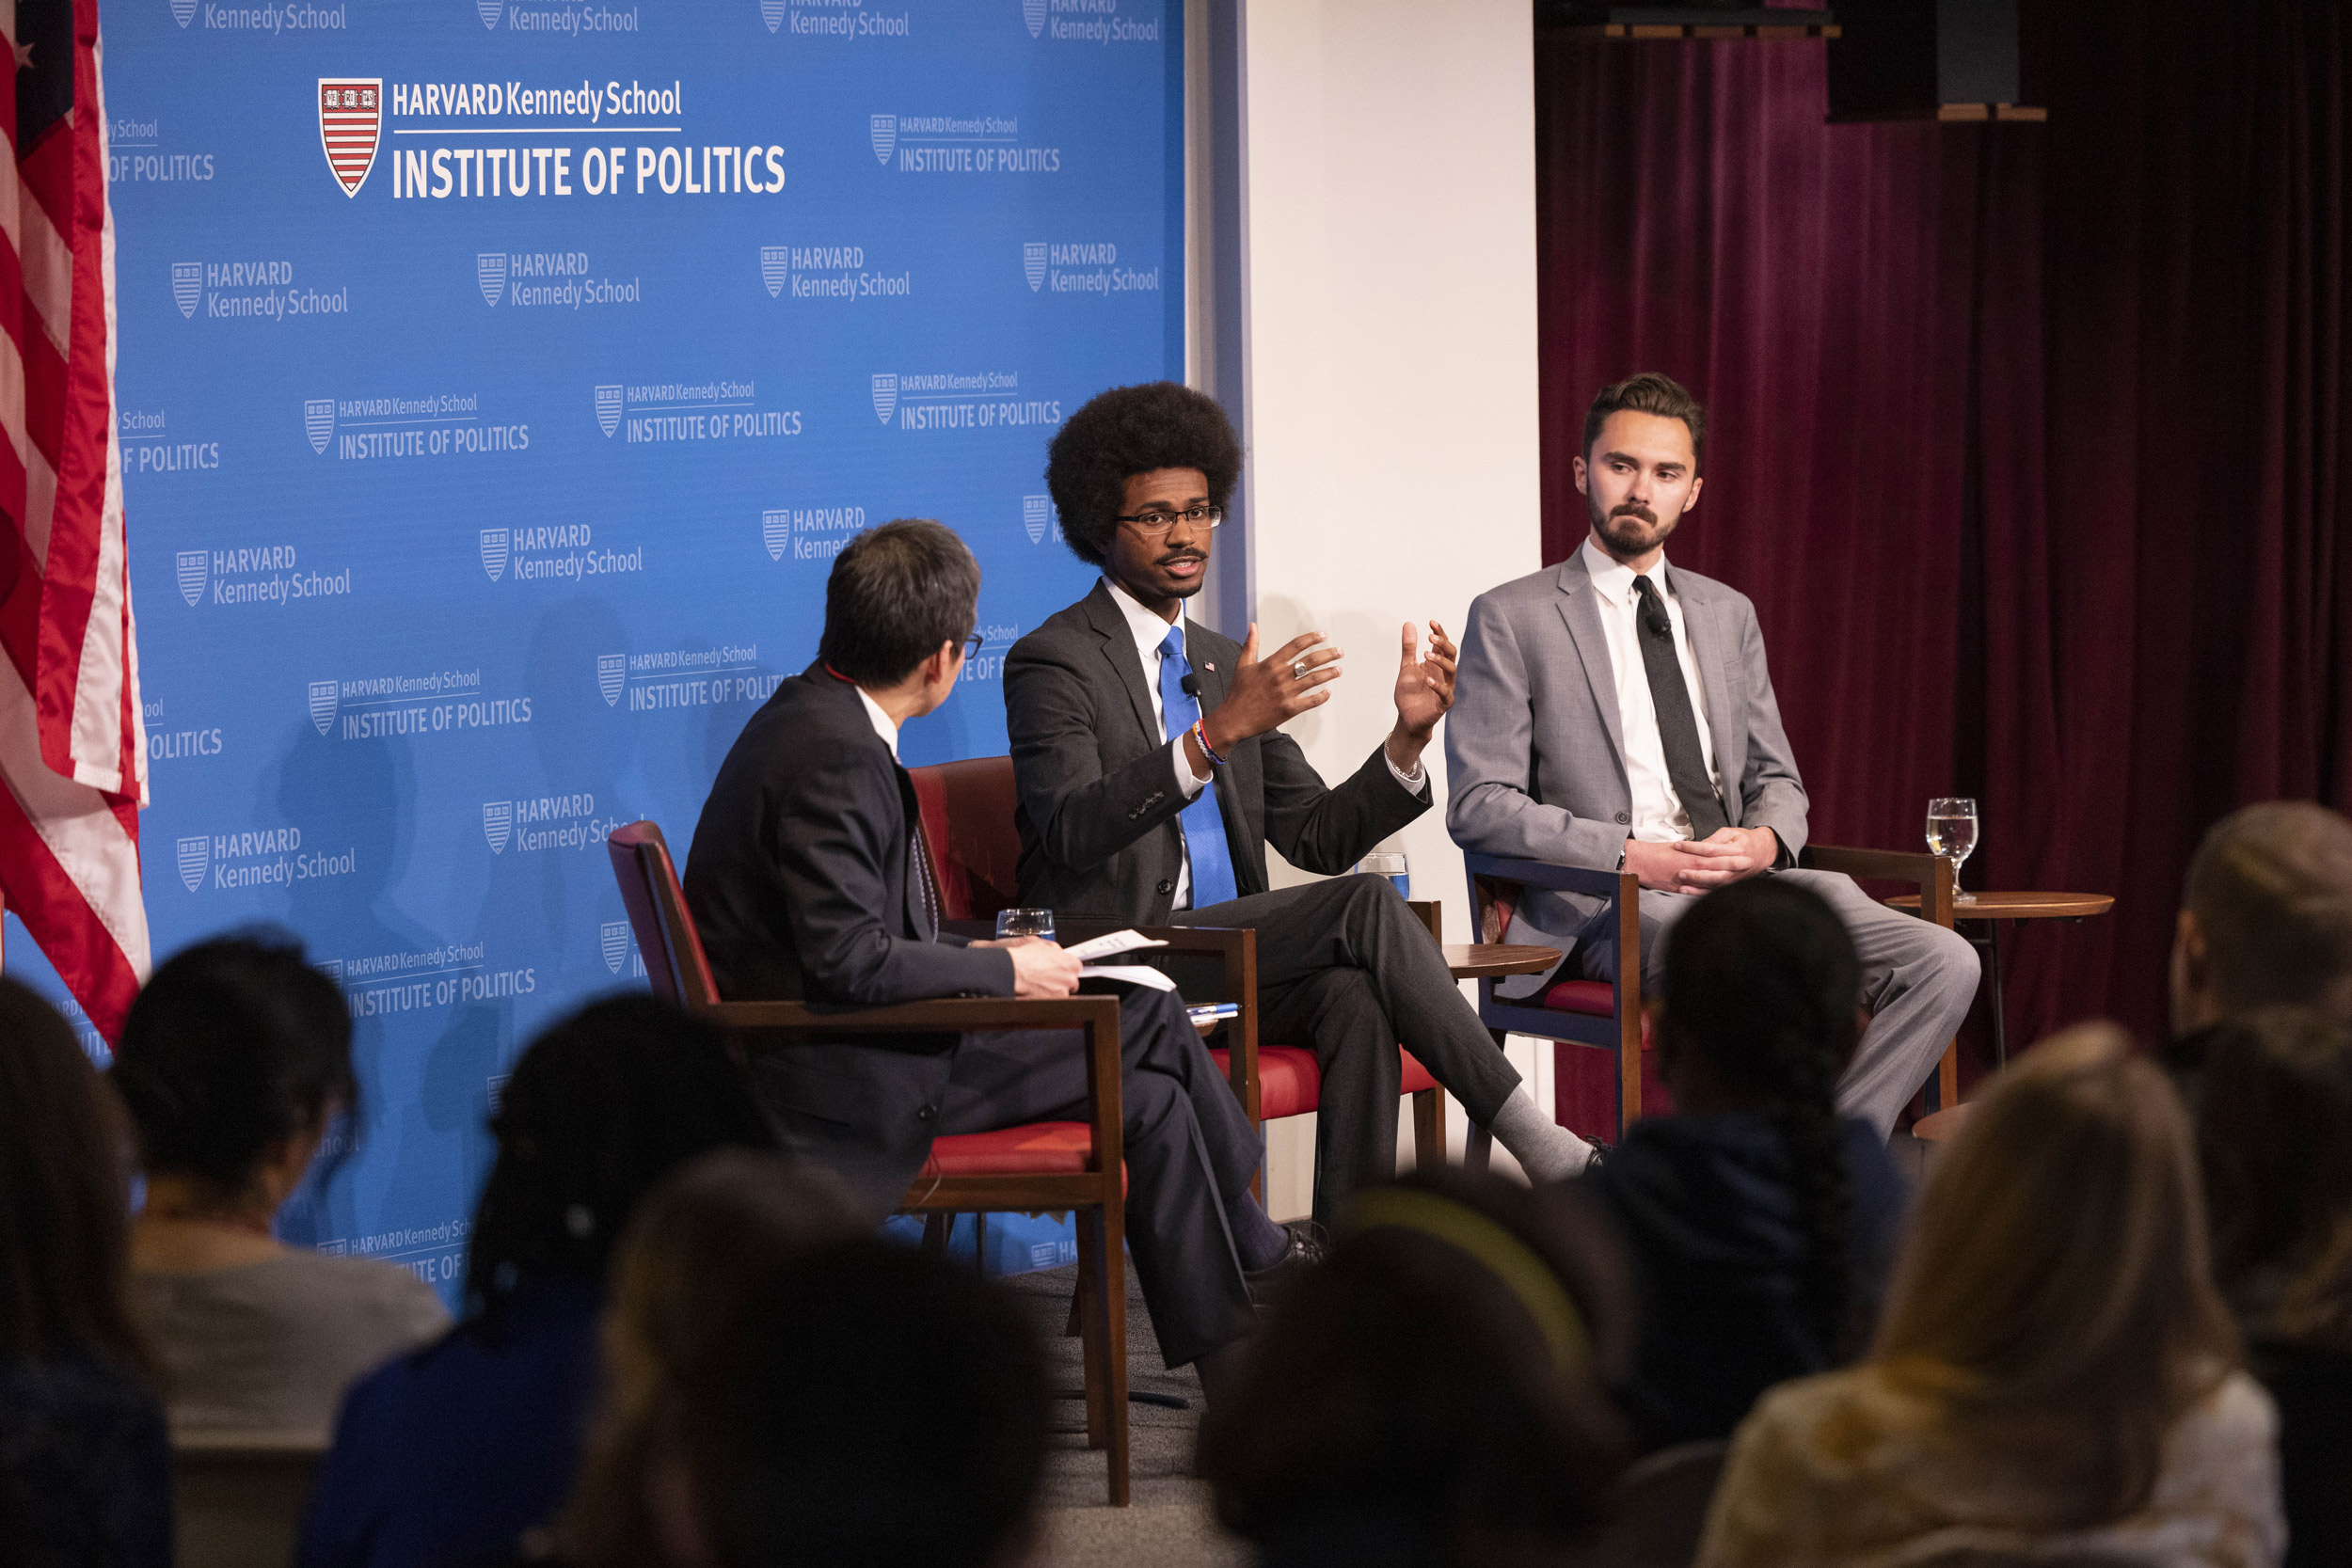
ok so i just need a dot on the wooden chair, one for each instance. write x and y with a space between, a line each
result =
237 1497
976 852
1076 1165
1608 1014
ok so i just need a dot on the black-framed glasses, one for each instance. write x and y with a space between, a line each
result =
972 645
1154 523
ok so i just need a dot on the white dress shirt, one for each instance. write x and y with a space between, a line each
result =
883 724
1659 816
1150 632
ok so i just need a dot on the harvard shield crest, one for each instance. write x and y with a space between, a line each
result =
351 118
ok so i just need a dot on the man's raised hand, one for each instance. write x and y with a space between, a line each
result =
1424 686
1267 692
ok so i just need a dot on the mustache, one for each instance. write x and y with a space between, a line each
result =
1172 557
1635 509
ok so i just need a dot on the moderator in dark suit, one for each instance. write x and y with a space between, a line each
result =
805 884
1342 964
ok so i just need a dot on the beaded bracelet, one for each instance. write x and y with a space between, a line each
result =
1200 734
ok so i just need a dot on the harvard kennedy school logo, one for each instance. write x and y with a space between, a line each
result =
351 118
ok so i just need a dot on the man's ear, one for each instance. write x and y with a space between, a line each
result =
1576 466
2191 977
1696 485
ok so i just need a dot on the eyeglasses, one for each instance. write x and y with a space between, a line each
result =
972 645
1155 522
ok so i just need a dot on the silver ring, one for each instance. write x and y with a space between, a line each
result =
1298 669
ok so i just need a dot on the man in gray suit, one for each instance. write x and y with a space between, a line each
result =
1615 712
1153 776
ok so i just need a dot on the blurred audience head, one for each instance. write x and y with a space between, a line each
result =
2053 1304
2275 1143
1435 1386
1758 1013
785 1388
64 1192
1129 431
600 1108
2267 917
234 1062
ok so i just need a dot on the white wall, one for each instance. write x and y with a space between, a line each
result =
1388 254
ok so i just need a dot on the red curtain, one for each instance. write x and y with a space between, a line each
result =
2026 439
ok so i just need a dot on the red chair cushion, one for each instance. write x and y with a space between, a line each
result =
1592 998
1290 1080
967 812
1036 1148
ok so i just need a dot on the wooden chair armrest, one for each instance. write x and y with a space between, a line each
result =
1545 873
1930 873
947 1015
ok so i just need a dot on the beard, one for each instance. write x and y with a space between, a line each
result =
1633 528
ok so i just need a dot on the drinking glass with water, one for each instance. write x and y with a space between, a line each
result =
1393 866
1952 832
1025 923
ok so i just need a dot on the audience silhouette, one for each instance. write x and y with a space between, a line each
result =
1760 1222
84 1467
449 1453
1435 1392
782 1395
2274 1142
235 1062
2054 1373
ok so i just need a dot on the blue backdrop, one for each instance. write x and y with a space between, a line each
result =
497 380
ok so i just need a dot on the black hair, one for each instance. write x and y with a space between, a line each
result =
896 593
600 1108
233 1045
1762 981
64 1256
870 1407
1408 1386
1650 392
2274 1131
1129 431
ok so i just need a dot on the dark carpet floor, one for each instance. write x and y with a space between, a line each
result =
1169 1522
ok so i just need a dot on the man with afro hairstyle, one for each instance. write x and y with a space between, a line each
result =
1152 775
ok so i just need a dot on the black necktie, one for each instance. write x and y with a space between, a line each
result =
1677 727
919 855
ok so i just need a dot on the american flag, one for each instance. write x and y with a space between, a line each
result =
72 749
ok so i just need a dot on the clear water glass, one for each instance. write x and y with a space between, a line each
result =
1025 923
1390 866
1952 832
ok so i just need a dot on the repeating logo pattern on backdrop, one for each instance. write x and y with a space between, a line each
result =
620 593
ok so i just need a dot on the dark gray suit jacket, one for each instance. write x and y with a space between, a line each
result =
1535 756
1099 801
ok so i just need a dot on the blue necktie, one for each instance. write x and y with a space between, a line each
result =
1204 826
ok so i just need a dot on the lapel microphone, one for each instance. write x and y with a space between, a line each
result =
1191 684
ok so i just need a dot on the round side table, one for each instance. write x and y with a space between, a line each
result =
1988 910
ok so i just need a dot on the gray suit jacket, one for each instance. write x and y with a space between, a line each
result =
1534 748
1098 796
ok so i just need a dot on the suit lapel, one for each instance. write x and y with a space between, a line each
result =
1118 648
1583 618
1707 648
